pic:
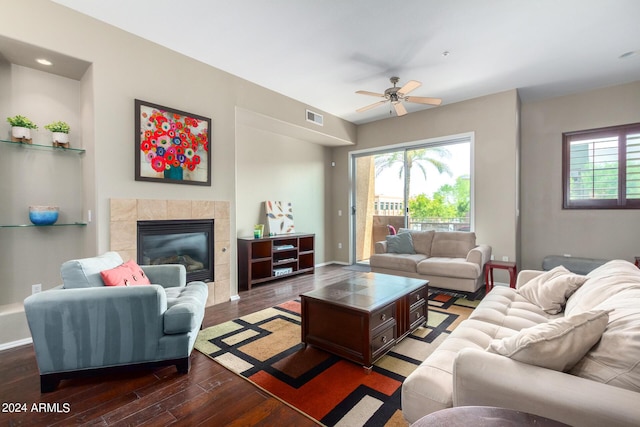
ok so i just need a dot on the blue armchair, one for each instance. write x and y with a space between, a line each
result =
82 325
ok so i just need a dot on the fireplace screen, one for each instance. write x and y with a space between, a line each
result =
186 242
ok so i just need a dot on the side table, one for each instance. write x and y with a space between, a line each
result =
485 416
501 265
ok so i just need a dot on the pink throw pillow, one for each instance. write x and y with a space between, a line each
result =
127 274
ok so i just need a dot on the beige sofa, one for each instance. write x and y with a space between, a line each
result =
512 353
448 259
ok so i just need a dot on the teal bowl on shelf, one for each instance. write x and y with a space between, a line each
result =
43 215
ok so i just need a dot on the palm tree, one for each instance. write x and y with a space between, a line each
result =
421 158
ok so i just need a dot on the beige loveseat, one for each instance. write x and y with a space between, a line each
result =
448 259
580 366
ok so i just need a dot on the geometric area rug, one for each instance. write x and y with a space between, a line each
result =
265 348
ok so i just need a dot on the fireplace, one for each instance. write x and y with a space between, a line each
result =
188 242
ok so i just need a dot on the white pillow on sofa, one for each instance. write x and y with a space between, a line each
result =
550 290
558 344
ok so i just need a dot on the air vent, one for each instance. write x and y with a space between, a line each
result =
315 118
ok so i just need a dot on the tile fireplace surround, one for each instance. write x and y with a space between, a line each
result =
125 214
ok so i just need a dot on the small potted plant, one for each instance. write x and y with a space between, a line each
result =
21 128
60 133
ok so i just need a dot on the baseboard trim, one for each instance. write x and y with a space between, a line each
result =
333 262
14 344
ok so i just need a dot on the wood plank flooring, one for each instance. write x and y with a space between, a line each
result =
208 395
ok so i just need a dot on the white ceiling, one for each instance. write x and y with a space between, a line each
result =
320 52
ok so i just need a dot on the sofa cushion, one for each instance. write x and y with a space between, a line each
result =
85 272
452 244
422 240
615 359
449 267
127 274
501 314
185 307
506 308
399 262
558 344
550 290
400 244
603 283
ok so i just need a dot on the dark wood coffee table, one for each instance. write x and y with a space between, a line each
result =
361 318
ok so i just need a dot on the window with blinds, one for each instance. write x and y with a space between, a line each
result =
601 168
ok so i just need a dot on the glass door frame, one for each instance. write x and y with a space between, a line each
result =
405 146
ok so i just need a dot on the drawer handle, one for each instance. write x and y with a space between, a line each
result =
384 339
417 297
417 314
383 317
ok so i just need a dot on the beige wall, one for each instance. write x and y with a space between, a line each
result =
547 229
493 120
123 68
272 166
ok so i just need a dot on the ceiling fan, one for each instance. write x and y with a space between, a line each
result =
397 94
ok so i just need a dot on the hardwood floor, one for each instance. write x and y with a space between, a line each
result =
208 395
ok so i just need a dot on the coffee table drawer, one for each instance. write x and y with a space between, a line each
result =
417 314
418 295
383 340
382 316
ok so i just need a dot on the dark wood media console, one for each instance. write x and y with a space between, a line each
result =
270 258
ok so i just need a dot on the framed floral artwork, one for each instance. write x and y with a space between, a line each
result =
172 146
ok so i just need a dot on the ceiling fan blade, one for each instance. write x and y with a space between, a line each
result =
423 100
409 86
400 110
366 92
368 107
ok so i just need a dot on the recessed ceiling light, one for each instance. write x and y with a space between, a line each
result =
628 54
43 61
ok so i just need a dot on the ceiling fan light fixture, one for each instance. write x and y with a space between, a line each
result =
395 95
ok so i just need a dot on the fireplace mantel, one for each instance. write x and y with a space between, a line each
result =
125 214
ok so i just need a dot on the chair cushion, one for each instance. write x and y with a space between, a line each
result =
85 272
558 344
185 307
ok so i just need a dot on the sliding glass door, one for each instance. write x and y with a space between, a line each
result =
420 186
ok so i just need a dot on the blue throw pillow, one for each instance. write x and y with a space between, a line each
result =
400 244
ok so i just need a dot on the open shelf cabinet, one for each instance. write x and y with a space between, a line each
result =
270 258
